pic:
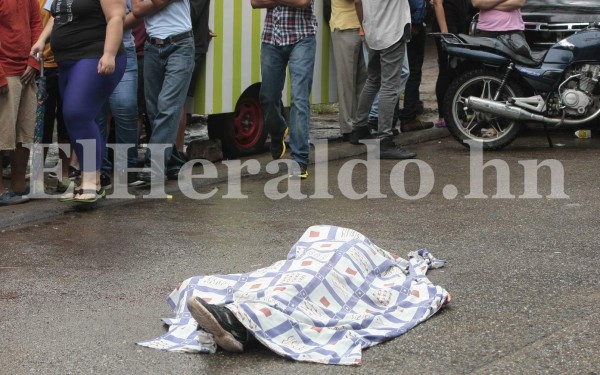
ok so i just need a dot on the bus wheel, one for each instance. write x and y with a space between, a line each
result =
245 132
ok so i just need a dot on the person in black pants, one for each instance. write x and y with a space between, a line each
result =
451 16
415 50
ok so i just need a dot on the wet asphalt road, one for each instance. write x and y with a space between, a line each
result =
78 290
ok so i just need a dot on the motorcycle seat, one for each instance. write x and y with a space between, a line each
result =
497 45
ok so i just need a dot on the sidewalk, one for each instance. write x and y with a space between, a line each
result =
322 127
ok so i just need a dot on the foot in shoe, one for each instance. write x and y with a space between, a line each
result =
207 322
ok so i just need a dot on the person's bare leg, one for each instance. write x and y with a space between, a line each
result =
18 165
89 181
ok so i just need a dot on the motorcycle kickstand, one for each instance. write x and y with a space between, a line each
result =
550 144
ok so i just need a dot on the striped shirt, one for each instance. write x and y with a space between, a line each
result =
286 25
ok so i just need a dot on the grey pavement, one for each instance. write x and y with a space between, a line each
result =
78 289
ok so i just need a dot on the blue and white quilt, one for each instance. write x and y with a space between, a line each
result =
335 294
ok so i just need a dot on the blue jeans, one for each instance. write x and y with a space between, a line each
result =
167 73
122 103
273 63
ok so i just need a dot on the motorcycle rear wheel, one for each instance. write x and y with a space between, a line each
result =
493 132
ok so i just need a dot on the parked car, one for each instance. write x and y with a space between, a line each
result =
548 21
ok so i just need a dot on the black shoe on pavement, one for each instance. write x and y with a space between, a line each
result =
219 321
389 150
415 124
299 171
360 133
278 146
105 181
173 173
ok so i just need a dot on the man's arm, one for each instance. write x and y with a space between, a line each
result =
359 9
274 3
486 4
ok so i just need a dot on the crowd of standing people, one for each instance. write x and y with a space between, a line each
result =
96 68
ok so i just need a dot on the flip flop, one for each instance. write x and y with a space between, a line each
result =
69 197
98 194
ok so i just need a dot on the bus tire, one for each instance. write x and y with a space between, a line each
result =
242 132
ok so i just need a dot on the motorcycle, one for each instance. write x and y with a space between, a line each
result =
497 88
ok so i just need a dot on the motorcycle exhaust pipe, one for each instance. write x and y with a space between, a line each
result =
519 114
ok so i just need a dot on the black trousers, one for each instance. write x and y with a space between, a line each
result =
415 50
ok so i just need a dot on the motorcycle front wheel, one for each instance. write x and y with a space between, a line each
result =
492 131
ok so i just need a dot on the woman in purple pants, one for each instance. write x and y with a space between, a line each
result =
86 38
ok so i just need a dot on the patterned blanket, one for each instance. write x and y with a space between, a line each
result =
335 294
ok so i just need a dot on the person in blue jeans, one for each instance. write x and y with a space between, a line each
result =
168 66
288 40
122 104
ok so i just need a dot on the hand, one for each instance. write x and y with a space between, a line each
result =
211 33
3 89
37 49
29 75
106 65
414 30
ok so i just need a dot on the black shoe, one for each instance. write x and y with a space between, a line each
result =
360 133
373 124
395 131
105 181
219 321
173 173
415 124
389 150
346 137
299 171
278 146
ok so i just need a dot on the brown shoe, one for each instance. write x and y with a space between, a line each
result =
414 125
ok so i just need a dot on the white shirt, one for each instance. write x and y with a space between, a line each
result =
384 22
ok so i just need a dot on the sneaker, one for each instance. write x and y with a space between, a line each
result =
105 181
10 198
389 150
146 178
360 133
219 321
415 124
278 146
173 173
133 179
299 170
373 124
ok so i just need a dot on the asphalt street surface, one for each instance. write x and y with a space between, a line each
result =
79 289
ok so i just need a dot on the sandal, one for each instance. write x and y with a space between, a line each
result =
98 194
69 197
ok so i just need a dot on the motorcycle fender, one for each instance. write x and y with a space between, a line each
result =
481 56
